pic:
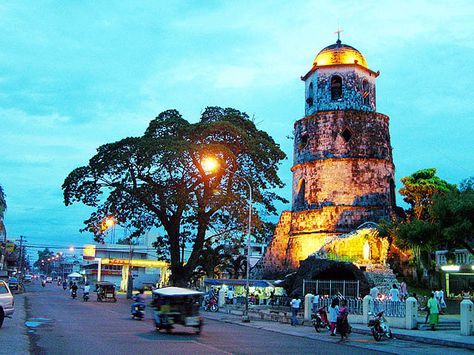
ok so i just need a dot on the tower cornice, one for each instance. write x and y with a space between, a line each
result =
346 159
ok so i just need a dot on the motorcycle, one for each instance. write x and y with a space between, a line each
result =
85 296
43 283
211 305
73 294
320 319
380 327
138 311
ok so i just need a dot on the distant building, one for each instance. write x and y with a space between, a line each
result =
114 260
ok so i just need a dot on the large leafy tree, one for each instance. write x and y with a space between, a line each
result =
157 180
418 191
43 255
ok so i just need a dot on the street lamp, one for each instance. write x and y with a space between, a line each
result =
211 164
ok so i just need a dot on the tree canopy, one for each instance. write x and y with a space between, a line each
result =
419 189
156 180
43 255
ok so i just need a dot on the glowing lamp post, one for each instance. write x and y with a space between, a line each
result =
210 164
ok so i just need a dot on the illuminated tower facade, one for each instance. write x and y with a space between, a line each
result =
343 173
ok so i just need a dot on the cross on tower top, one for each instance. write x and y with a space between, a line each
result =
339 31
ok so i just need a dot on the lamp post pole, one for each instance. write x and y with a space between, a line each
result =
245 316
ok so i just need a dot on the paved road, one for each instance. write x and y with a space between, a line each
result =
59 324
54 323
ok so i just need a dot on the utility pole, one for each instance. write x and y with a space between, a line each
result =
21 255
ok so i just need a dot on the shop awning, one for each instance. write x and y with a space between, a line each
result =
238 282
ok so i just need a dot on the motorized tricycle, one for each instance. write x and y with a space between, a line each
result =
105 291
175 305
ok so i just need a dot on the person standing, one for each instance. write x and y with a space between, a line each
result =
230 296
394 294
374 292
333 313
433 309
295 307
315 303
440 298
342 320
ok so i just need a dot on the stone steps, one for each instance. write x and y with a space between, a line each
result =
442 325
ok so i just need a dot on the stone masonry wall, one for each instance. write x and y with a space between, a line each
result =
352 91
343 182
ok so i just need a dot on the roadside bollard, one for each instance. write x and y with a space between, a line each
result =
308 303
467 317
411 313
221 297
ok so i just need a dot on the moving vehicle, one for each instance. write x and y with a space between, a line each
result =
211 304
73 293
138 311
175 305
320 319
380 327
85 296
13 284
28 278
49 279
6 302
105 291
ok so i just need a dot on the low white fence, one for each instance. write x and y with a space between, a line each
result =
331 288
401 314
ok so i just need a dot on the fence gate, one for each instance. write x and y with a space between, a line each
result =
330 288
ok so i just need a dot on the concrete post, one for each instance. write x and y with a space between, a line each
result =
467 317
221 294
411 313
367 307
308 303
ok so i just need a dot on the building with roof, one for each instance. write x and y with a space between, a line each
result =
343 173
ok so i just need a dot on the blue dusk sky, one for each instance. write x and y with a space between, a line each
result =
77 74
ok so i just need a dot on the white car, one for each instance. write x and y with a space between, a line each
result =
49 279
6 302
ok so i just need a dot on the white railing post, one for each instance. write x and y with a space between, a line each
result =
411 313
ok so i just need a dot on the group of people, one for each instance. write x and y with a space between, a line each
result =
338 315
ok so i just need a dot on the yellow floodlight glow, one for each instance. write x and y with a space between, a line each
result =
209 164
450 268
109 222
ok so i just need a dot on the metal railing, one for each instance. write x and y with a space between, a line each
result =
390 308
332 288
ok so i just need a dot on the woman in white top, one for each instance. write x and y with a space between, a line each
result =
333 312
394 293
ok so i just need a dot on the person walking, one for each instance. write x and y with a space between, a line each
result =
295 307
433 309
440 298
333 312
342 320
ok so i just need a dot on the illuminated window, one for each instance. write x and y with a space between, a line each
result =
309 100
336 87
365 92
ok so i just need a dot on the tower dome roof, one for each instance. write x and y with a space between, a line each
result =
339 53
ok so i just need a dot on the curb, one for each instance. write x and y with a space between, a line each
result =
358 330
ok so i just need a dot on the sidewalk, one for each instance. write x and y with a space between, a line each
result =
13 337
448 338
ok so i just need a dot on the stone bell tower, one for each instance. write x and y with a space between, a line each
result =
343 174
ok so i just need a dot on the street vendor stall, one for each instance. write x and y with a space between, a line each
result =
260 291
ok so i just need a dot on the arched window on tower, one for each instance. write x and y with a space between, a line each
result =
393 202
336 87
309 99
366 92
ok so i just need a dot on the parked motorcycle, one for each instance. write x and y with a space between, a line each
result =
211 305
138 311
380 327
320 319
85 296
